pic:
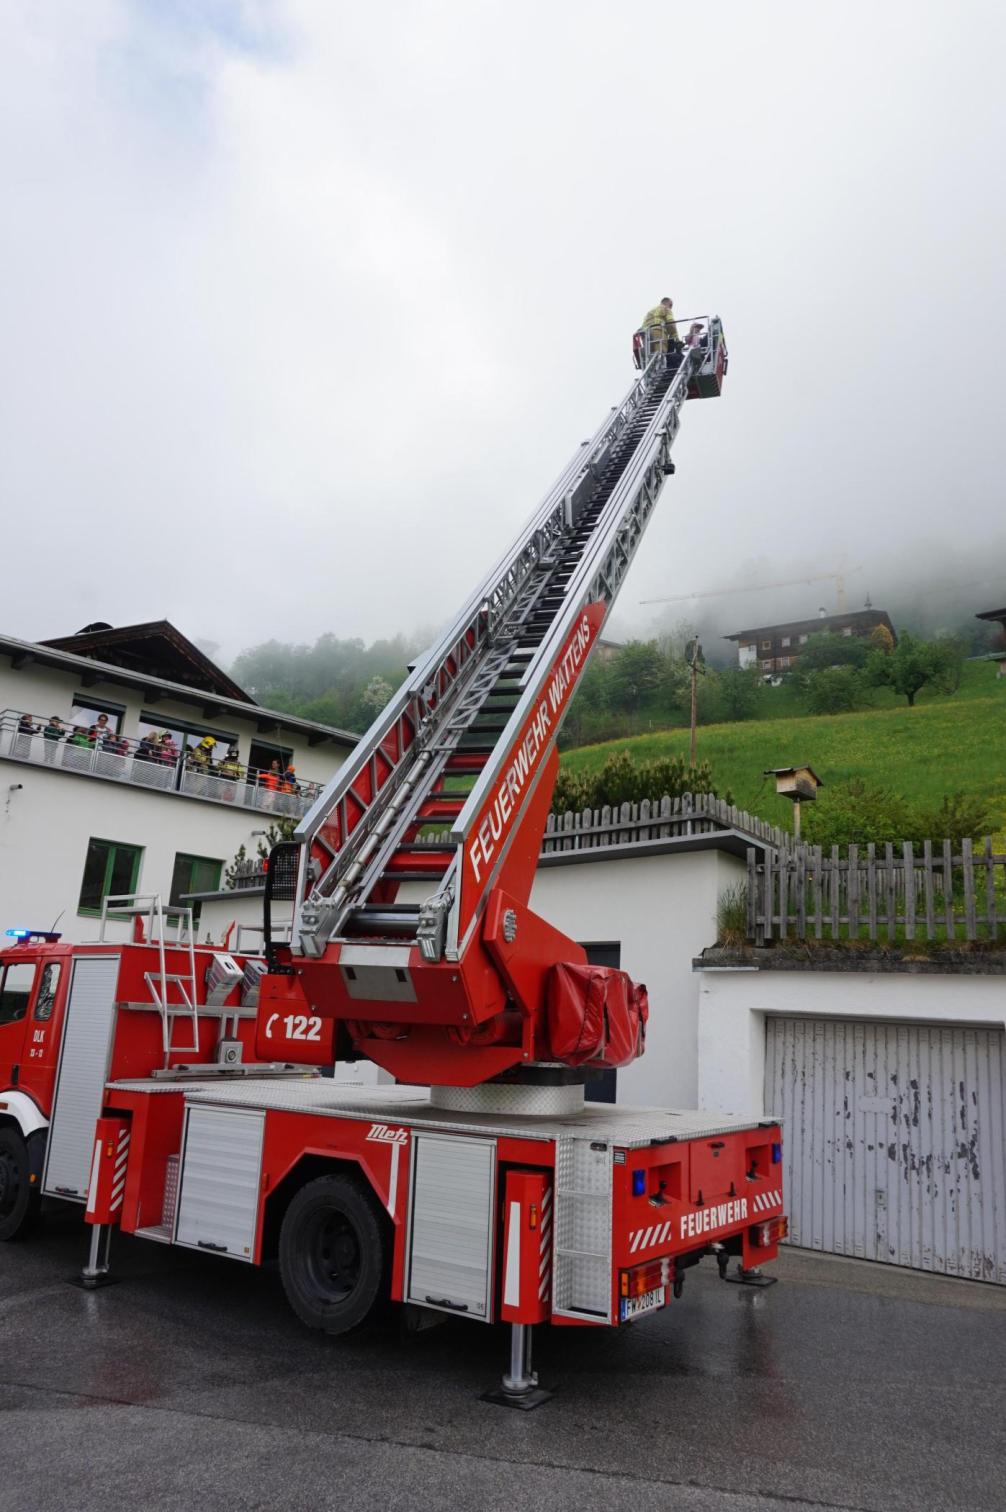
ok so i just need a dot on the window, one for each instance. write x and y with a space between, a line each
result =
48 988
262 755
785 640
194 874
16 991
803 640
766 666
109 870
766 645
86 711
784 661
847 630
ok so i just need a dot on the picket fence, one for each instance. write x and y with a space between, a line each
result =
894 891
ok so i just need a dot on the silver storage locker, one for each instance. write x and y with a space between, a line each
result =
83 1069
219 1182
452 1223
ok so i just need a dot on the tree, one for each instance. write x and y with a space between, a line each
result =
740 691
915 664
376 693
832 690
637 671
830 650
881 638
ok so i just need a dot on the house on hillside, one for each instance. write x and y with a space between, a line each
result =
605 651
997 617
117 777
776 648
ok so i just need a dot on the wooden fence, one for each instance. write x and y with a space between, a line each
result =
895 892
655 819
651 819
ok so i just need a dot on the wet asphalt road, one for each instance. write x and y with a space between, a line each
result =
190 1385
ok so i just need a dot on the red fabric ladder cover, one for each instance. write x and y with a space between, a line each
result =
596 1015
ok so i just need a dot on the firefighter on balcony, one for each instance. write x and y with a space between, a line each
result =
661 332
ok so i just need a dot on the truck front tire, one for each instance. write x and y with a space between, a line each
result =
334 1254
20 1201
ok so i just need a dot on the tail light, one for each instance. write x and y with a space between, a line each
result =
645 1278
763 1235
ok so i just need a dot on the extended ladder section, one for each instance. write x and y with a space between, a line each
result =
462 745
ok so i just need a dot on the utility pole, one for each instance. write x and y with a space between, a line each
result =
693 655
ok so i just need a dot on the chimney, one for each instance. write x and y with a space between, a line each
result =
822 614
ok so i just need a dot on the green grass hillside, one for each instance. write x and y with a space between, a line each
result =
946 744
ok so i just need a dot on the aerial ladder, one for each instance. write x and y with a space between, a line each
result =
411 873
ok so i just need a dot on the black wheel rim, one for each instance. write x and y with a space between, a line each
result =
333 1256
10 1183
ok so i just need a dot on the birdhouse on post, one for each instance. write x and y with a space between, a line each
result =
797 783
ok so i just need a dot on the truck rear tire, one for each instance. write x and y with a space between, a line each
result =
334 1254
19 1200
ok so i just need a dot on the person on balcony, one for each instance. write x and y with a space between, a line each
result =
80 737
149 748
167 750
270 780
52 735
100 730
288 783
22 737
231 769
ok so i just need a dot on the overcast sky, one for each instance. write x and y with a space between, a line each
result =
304 304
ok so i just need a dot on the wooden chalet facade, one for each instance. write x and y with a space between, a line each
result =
774 649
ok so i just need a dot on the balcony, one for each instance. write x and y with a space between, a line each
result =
138 764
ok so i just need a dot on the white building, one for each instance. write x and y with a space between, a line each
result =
100 804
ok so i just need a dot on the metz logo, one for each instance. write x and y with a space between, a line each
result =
384 1135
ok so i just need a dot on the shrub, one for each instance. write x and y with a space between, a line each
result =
958 816
854 813
623 780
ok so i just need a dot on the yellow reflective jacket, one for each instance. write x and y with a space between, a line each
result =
658 316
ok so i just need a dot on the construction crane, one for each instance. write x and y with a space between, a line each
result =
838 578
427 953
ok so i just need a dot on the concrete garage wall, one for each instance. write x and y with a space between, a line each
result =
733 1003
656 907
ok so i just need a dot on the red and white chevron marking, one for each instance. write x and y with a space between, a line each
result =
766 1202
119 1172
657 1233
545 1246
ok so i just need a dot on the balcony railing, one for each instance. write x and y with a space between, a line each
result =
141 763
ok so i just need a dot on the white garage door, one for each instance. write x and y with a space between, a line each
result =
893 1141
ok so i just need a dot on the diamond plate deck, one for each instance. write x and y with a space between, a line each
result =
629 1128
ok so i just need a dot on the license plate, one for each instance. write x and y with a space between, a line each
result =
634 1307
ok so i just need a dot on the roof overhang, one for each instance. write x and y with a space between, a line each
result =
25 653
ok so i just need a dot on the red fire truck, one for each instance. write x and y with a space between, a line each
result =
176 1091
